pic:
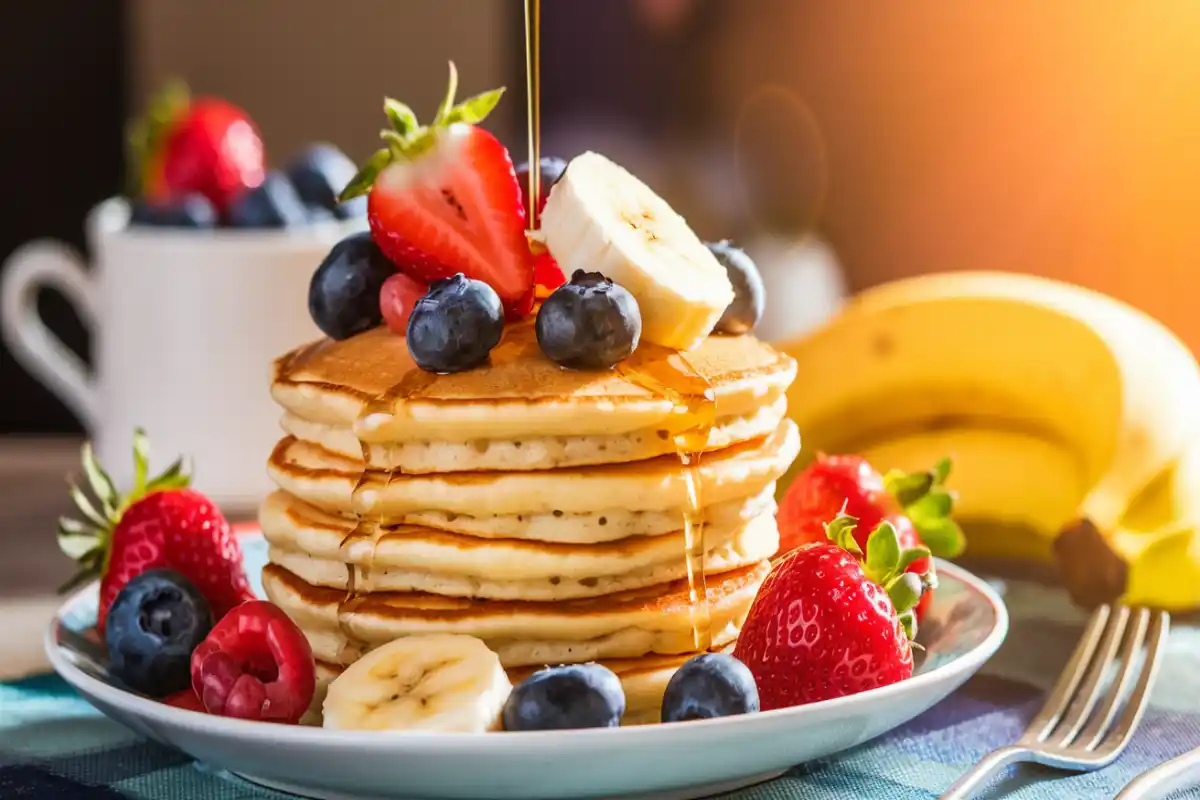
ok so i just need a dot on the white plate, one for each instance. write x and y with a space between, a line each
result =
966 624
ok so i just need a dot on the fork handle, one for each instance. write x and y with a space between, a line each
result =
1163 779
978 775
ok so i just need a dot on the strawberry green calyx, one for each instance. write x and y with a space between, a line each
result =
886 564
926 501
407 138
145 136
88 540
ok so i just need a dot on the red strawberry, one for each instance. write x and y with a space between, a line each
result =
830 621
917 505
444 198
207 145
160 523
829 485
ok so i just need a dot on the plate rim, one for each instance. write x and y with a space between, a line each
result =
418 742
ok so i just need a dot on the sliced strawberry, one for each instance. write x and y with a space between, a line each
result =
444 199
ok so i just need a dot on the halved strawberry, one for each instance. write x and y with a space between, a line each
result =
444 198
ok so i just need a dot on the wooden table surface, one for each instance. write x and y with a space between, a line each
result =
33 494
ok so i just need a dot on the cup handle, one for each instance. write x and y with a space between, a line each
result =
53 265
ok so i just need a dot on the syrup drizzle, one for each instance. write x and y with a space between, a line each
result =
533 89
670 375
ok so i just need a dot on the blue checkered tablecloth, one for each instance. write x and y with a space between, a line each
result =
54 745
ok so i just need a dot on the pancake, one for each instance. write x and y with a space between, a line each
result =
644 681
530 453
519 392
329 481
655 620
290 525
523 571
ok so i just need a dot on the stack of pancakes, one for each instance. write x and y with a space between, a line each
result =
537 508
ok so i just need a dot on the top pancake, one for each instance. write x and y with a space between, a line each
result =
371 383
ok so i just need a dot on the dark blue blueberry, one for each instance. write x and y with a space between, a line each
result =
749 296
562 698
455 325
552 170
153 626
320 172
343 295
192 211
710 685
273 204
589 323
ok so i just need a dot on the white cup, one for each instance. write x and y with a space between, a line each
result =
185 325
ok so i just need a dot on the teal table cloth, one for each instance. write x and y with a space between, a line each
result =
54 745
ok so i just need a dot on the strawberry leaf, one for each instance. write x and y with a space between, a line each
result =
443 112
174 477
476 109
905 591
908 556
841 532
925 500
90 567
908 621
76 539
883 553
102 485
361 183
404 121
86 508
141 460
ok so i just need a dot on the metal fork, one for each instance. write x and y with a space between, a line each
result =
1078 729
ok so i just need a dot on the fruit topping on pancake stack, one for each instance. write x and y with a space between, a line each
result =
563 486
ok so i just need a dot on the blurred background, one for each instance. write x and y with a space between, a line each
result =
843 143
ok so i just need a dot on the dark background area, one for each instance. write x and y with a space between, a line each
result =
62 67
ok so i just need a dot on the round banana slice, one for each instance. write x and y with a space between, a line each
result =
600 218
442 682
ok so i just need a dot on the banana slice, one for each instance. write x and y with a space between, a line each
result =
600 218
441 682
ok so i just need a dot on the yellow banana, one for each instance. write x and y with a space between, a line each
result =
1055 403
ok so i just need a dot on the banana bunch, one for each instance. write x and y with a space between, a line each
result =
1072 420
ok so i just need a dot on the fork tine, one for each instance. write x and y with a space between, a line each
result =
1159 626
1068 681
1094 733
1084 703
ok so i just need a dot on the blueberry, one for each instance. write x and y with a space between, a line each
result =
191 211
551 170
710 685
561 698
589 323
320 172
455 325
343 295
153 625
749 296
273 204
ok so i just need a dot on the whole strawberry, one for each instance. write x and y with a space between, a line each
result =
159 523
916 504
443 198
831 621
206 145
